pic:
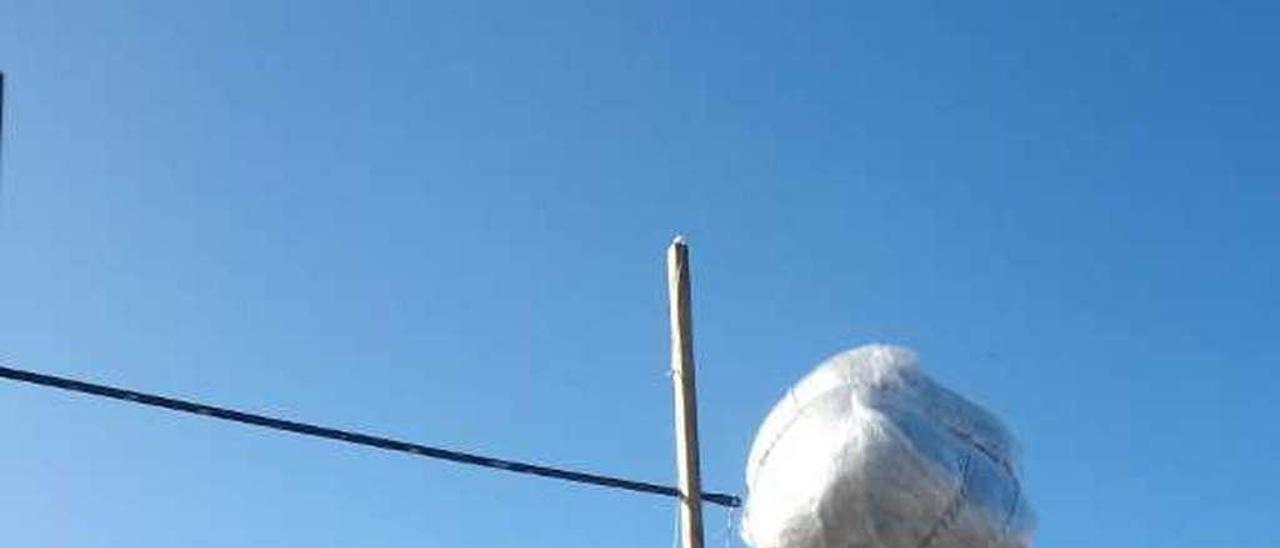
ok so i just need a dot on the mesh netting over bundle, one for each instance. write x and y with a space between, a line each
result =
869 452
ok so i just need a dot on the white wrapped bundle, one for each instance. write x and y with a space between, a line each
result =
868 452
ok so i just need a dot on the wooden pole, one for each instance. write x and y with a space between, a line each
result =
686 401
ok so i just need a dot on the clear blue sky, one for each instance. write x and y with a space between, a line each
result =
445 222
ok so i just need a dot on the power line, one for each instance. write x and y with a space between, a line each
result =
174 404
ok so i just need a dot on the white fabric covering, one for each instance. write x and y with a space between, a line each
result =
868 452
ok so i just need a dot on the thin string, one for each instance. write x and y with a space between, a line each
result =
730 519
3 139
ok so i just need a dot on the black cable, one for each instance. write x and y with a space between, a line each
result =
726 500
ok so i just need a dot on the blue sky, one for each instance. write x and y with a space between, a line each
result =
445 222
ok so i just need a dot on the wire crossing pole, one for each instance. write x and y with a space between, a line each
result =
686 401
350 436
